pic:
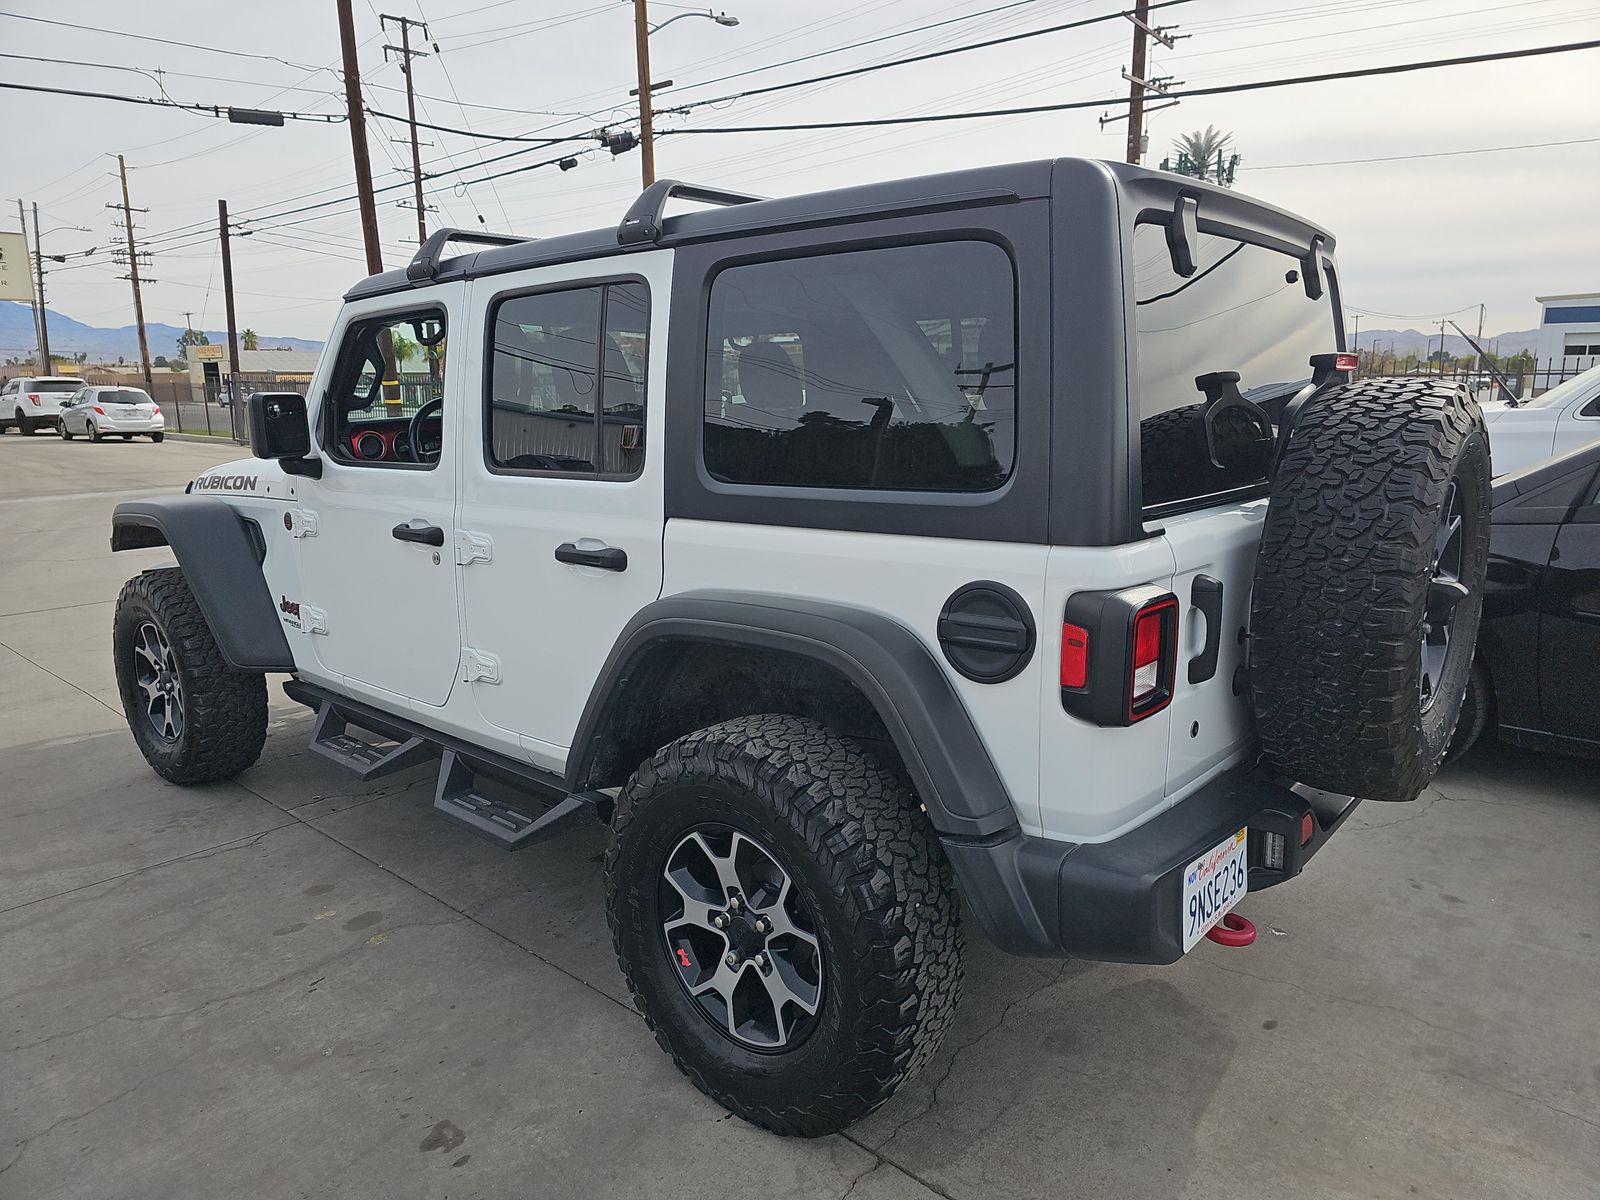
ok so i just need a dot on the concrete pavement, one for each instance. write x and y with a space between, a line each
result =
299 985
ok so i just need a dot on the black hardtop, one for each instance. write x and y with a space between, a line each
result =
739 215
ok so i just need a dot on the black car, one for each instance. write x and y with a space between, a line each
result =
1536 679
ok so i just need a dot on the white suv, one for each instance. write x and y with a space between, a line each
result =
34 401
859 558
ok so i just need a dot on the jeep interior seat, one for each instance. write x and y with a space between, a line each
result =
622 431
535 434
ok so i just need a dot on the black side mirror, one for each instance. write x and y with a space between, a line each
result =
279 429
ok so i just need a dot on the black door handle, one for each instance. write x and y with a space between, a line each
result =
427 535
607 559
1206 595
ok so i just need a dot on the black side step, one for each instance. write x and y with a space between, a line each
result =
509 828
369 760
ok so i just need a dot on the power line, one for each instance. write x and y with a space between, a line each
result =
916 58
1218 90
1345 162
165 41
213 110
489 137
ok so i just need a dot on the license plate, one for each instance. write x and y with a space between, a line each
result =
1212 885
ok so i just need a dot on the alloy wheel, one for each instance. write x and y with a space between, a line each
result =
1446 591
741 939
156 675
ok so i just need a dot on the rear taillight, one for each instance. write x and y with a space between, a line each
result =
1074 656
156 408
1155 658
100 410
33 397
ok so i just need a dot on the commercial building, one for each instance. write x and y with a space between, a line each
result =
1569 332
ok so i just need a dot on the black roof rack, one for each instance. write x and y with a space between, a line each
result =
424 264
643 222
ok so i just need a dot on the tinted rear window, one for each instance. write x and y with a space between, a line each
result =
889 368
1245 310
124 396
53 385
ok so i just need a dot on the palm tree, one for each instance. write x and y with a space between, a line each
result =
1204 155
251 339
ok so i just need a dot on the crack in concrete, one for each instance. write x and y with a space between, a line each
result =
950 1066
1350 1000
228 997
60 679
1506 1091
238 843
24 1143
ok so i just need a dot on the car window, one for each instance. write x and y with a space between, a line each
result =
1244 310
388 369
566 387
891 368
55 385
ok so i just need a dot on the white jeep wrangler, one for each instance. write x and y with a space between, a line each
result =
848 554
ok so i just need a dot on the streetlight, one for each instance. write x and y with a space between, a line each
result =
642 30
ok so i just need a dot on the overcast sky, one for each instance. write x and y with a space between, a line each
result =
1417 237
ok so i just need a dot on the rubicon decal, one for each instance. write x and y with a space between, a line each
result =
225 483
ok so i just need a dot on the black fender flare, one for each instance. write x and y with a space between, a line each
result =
220 554
950 767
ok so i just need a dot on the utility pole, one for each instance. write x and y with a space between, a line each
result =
1441 348
133 272
44 315
1356 337
647 144
358 138
406 54
234 386
35 293
1139 83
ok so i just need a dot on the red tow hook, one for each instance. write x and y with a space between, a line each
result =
1232 930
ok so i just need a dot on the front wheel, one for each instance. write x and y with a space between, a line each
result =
785 920
194 718
66 434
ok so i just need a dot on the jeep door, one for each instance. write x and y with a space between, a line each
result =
375 532
561 489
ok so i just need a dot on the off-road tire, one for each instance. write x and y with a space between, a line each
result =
1342 585
1477 709
225 711
857 845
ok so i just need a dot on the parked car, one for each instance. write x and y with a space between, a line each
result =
1536 676
936 553
34 401
96 412
1566 416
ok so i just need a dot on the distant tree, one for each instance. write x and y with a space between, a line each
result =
1205 154
250 339
160 361
404 348
191 337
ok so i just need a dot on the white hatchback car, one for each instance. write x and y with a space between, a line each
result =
1562 419
125 411
33 401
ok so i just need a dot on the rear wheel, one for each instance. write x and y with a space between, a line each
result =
785 920
24 423
1369 586
94 434
156 437
194 718
1476 708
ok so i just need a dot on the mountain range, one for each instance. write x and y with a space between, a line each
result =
1405 341
107 345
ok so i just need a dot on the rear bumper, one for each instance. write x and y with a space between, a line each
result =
109 424
1119 901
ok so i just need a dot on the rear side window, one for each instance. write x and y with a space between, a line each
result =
567 381
1243 310
892 368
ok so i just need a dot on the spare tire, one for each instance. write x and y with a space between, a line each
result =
1369 586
